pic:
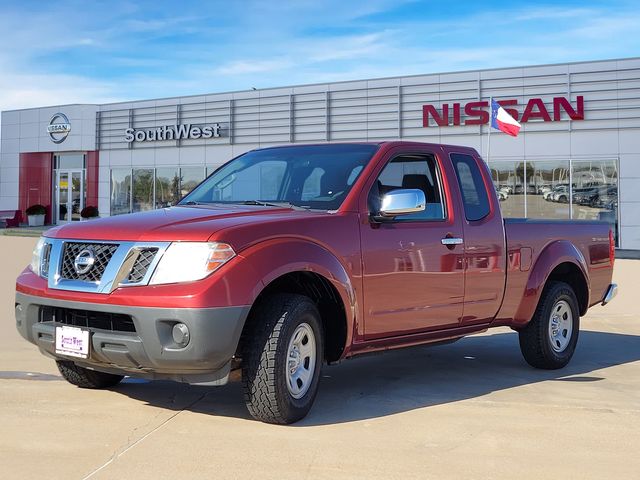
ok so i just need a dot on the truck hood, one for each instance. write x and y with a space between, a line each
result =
183 223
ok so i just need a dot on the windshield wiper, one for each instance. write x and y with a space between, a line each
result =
272 204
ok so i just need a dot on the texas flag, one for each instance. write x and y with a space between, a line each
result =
501 120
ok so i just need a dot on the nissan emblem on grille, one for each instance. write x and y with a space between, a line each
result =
84 261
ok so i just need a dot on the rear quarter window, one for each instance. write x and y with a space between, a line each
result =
472 187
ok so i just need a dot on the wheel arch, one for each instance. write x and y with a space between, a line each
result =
313 271
560 260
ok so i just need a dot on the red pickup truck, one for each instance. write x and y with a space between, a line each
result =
289 257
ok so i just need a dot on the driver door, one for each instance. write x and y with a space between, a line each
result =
412 282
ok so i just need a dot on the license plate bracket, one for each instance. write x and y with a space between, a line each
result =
72 341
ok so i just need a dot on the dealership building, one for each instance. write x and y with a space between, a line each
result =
577 155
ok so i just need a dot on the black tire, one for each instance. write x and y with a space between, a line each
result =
536 340
264 358
85 378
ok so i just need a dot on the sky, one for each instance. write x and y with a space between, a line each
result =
59 52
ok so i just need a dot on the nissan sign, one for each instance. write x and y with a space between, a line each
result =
58 128
172 132
475 113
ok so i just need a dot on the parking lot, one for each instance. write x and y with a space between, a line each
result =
473 409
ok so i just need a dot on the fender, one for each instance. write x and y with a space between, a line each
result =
554 254
266 258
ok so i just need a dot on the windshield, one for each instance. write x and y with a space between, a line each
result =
315 176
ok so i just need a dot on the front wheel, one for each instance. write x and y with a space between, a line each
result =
549 339
85 378
282 358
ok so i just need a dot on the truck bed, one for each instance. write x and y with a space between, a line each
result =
535 247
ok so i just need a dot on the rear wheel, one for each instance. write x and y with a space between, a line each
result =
85 378
550 338
282 358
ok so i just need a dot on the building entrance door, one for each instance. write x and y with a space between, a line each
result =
69 195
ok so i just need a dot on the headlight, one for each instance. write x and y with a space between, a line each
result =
189 261
36 258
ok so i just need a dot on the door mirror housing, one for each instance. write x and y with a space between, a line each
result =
401 202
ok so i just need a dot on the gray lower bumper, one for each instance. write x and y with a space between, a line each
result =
150 351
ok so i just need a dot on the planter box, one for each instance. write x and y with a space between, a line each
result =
36 220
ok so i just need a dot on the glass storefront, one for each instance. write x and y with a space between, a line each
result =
545 189
558 189
141 189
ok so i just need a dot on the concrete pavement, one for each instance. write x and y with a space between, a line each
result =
472 409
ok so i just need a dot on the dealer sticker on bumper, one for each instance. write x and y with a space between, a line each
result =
72 341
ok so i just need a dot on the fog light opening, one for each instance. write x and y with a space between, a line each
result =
180 333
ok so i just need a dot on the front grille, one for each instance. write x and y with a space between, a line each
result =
115 322
142 264
102 253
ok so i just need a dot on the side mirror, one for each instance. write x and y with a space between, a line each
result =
402 202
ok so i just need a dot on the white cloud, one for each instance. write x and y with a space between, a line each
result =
243 67
349 47
550 13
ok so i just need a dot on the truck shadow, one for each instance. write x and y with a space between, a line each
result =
403 380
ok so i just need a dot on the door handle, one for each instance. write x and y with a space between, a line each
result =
449 241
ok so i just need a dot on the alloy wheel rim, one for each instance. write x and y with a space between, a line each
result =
560 326
301 360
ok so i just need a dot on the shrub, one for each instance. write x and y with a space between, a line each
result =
36 210
89 212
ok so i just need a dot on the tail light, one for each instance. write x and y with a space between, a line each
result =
612 248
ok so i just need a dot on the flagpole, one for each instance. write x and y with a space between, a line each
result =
489 133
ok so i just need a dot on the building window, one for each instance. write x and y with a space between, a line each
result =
595 191
69 161
508 180
190 177
120 191
547 189
167 186
141 189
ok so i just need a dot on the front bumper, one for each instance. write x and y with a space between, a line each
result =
150 351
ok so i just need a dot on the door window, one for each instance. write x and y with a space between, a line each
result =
63 197
77 195
415 172
474 191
